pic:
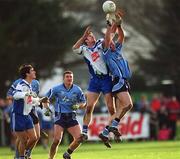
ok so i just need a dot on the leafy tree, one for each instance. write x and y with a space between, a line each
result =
159 22
33 31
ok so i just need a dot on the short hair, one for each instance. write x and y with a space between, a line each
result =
24 69
67 72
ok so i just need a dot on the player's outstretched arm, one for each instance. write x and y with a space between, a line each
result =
120 34
81 40
107 38
119 28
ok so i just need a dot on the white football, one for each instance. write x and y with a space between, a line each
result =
109 7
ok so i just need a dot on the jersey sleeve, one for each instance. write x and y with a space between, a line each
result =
82 98
10 91
119 47
80 50
12 88
50 93
20 91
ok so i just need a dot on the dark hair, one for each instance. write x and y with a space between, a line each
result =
67 72
24 69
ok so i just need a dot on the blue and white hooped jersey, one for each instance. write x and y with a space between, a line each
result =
117 65
35 86
66 98
19 106
94 58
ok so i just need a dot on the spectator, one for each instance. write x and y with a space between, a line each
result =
155 103
163 116
173 110
153 125
164 133
143 104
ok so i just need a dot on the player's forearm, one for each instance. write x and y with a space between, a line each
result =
120 34
82 105
107 39
78 43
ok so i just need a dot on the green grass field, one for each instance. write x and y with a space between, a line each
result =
130 150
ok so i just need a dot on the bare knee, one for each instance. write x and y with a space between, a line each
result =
38 137
56 142
33 139
89 110
128 107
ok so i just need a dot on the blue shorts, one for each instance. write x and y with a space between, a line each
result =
46 125
65 120
101 84
21 122
120 85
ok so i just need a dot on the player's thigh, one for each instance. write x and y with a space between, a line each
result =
37 129
31 133
75 131
21 136
92 98
110 103
58 132
124 98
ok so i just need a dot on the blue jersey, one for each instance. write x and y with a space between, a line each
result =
66 98
34 84
118 66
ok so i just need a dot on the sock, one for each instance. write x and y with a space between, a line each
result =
106 131
28 153
115 123
21 157
85 129
69 151
16 154
117 119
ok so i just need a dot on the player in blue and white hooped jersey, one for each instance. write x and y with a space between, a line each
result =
22 123
100 81
35 88
68 98
120 72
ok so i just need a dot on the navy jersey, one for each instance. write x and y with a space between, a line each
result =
66 98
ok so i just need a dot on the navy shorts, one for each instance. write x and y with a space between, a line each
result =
120 85
46 125
65 120
21 122
100 84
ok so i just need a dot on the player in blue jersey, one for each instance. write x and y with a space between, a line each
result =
68 98
120 71
33 113
100 80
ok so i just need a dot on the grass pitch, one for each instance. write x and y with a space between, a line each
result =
126 150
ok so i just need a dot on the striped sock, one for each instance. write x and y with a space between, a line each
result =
85 129
105 132
28 153
16 154
114 123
